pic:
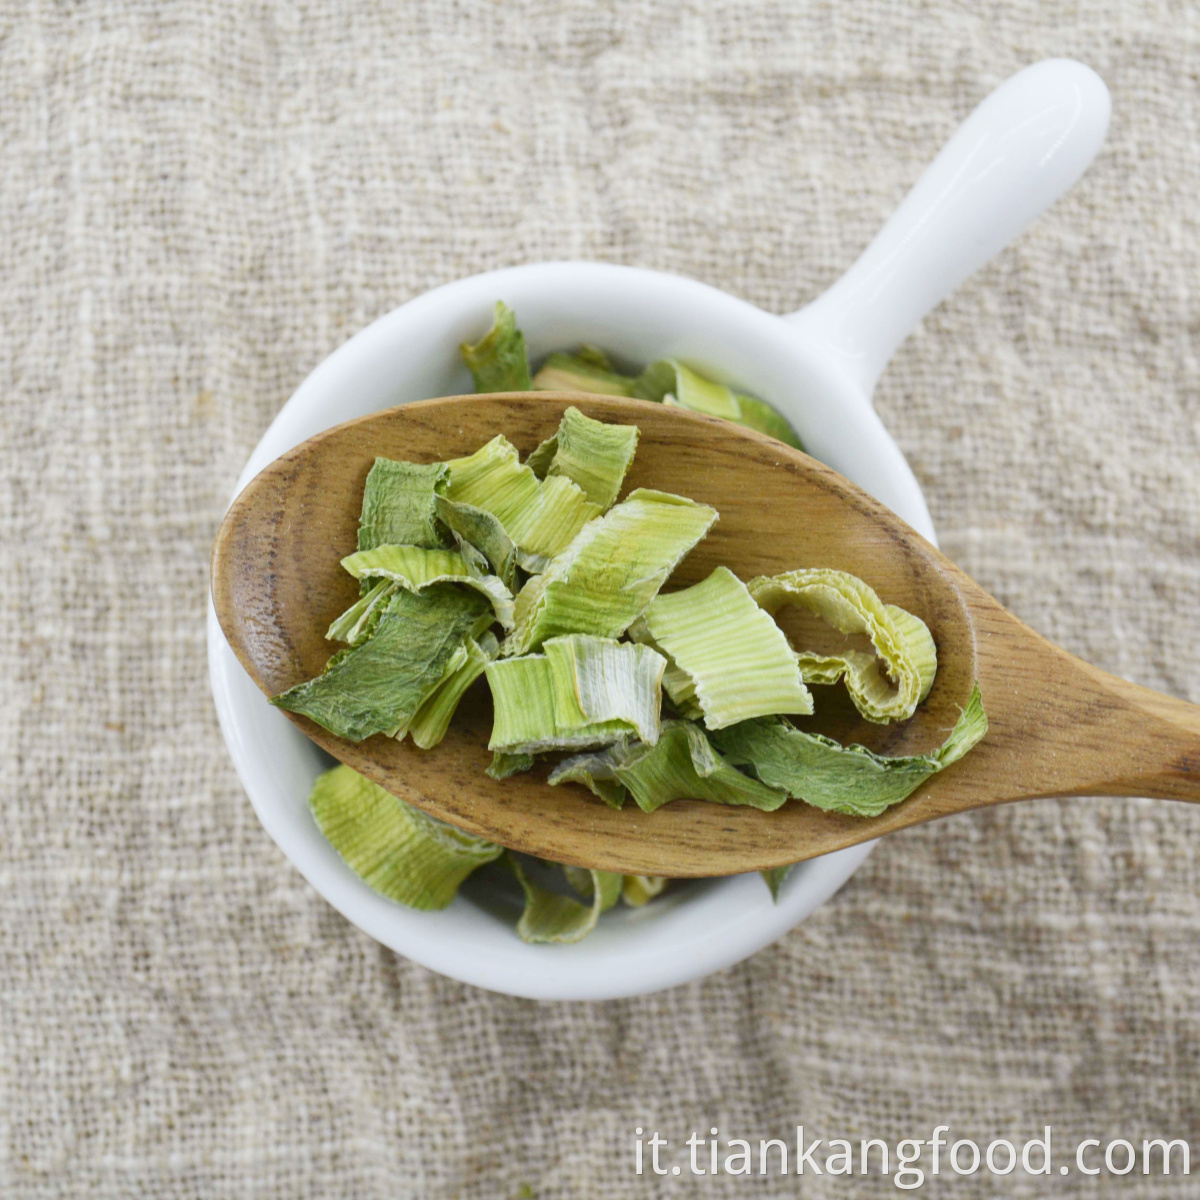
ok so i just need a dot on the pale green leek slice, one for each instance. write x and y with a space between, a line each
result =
378 686
587 370
593 455
914 633
681 688
603 581
357 623
503 766
844 779
493 479
498 362
682 766
398 504
638 889
677 683
415 569
539 460
484 532
606 680
433 718
551 917
532 715
901 640
738 660
396 849
766 418
669 380
540 517
830 668
547 526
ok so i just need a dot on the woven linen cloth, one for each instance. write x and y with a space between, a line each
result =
199 202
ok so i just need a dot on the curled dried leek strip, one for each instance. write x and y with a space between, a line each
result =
552 917
587 370
901 640
357 623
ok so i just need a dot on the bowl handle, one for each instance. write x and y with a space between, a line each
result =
1021 149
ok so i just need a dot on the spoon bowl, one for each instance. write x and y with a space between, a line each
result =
1057 726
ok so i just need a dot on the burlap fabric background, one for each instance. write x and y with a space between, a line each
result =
199 202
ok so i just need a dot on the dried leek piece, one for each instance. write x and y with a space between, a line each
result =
677 683
830 668
534 714
603 581
901 640
773 877
669 380
415 569
549 524
735 657
398 504
396 849
433 718
551 917
479 530
504 766
593 455
766 418
539 460
493 479
540 517
638 889
844 779
498 362
682 766
357 623
587 370
378 686
608 680
597 772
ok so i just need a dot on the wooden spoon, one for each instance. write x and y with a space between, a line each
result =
1058 726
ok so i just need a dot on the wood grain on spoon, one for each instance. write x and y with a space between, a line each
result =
1057 725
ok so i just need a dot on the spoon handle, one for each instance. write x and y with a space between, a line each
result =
1160 756
1059 726
1021 149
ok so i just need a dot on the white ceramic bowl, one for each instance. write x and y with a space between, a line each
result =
1020 149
